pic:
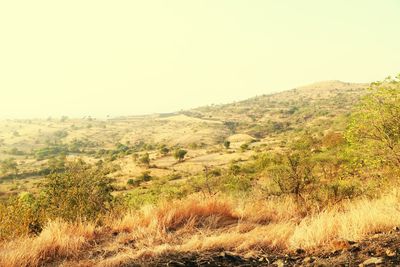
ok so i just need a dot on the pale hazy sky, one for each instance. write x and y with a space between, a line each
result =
81 57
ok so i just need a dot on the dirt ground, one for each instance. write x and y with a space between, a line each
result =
381 249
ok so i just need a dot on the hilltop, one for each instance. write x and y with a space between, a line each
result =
310 105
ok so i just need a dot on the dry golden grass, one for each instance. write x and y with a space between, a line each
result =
268 225
57 240
355 221
208 224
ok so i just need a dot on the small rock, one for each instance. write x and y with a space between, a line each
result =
261 259
371 252
397 228
175 264
308 260
372 261
279 263
250 255
390 253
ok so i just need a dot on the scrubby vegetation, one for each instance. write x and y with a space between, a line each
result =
288 176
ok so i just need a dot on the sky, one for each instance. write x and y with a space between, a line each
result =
109 58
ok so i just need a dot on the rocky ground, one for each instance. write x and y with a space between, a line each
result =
381 249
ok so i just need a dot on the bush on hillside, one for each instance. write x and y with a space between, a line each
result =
375 125
81 192
180 154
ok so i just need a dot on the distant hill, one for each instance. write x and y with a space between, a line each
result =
285 110
316 107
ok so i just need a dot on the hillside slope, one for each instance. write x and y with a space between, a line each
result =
264 121
310 106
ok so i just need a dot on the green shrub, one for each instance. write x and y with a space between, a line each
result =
343 189
20 215
144 177
180 154
81 192
293 173
234 169
236 183
154 193
131 182
244 147
375 125
227 144
140 197
164 150
51 151
174 176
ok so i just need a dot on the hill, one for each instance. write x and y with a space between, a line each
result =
263 121
309 105
284 179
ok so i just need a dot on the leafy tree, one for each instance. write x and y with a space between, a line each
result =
293 173
231 125
164 150
206 183
227 144
144 177
375 124
122 150
180 154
